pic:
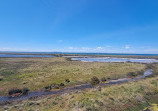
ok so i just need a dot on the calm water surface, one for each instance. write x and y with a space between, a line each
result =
20 55
111 59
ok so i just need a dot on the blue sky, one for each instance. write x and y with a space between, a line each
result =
110 26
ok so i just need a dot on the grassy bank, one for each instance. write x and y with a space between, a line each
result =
133 96
36 73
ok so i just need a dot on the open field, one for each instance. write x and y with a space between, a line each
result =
133 96
36 73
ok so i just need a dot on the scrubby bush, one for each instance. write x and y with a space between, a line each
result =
25 90
132 74
55 86
14 91
103 79
1 79
95 80
67 80
108 78
47 88
62 84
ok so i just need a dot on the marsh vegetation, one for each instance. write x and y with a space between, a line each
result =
57 73
38 73
133 96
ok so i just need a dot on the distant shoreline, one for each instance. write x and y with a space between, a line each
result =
70 55
76 53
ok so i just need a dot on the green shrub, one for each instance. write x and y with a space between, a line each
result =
134 74
108 78
95 80
1 79
47 88
67 80
25 90
14 91
55 86
131 74
62 84
21 91
103 79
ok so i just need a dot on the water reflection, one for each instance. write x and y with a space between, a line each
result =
110 59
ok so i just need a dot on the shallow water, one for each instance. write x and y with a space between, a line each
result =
75 88
20 55
111 59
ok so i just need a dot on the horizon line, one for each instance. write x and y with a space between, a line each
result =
75 52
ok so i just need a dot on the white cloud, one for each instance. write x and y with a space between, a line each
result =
60 41
71 48
99 48
5 49
127 47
